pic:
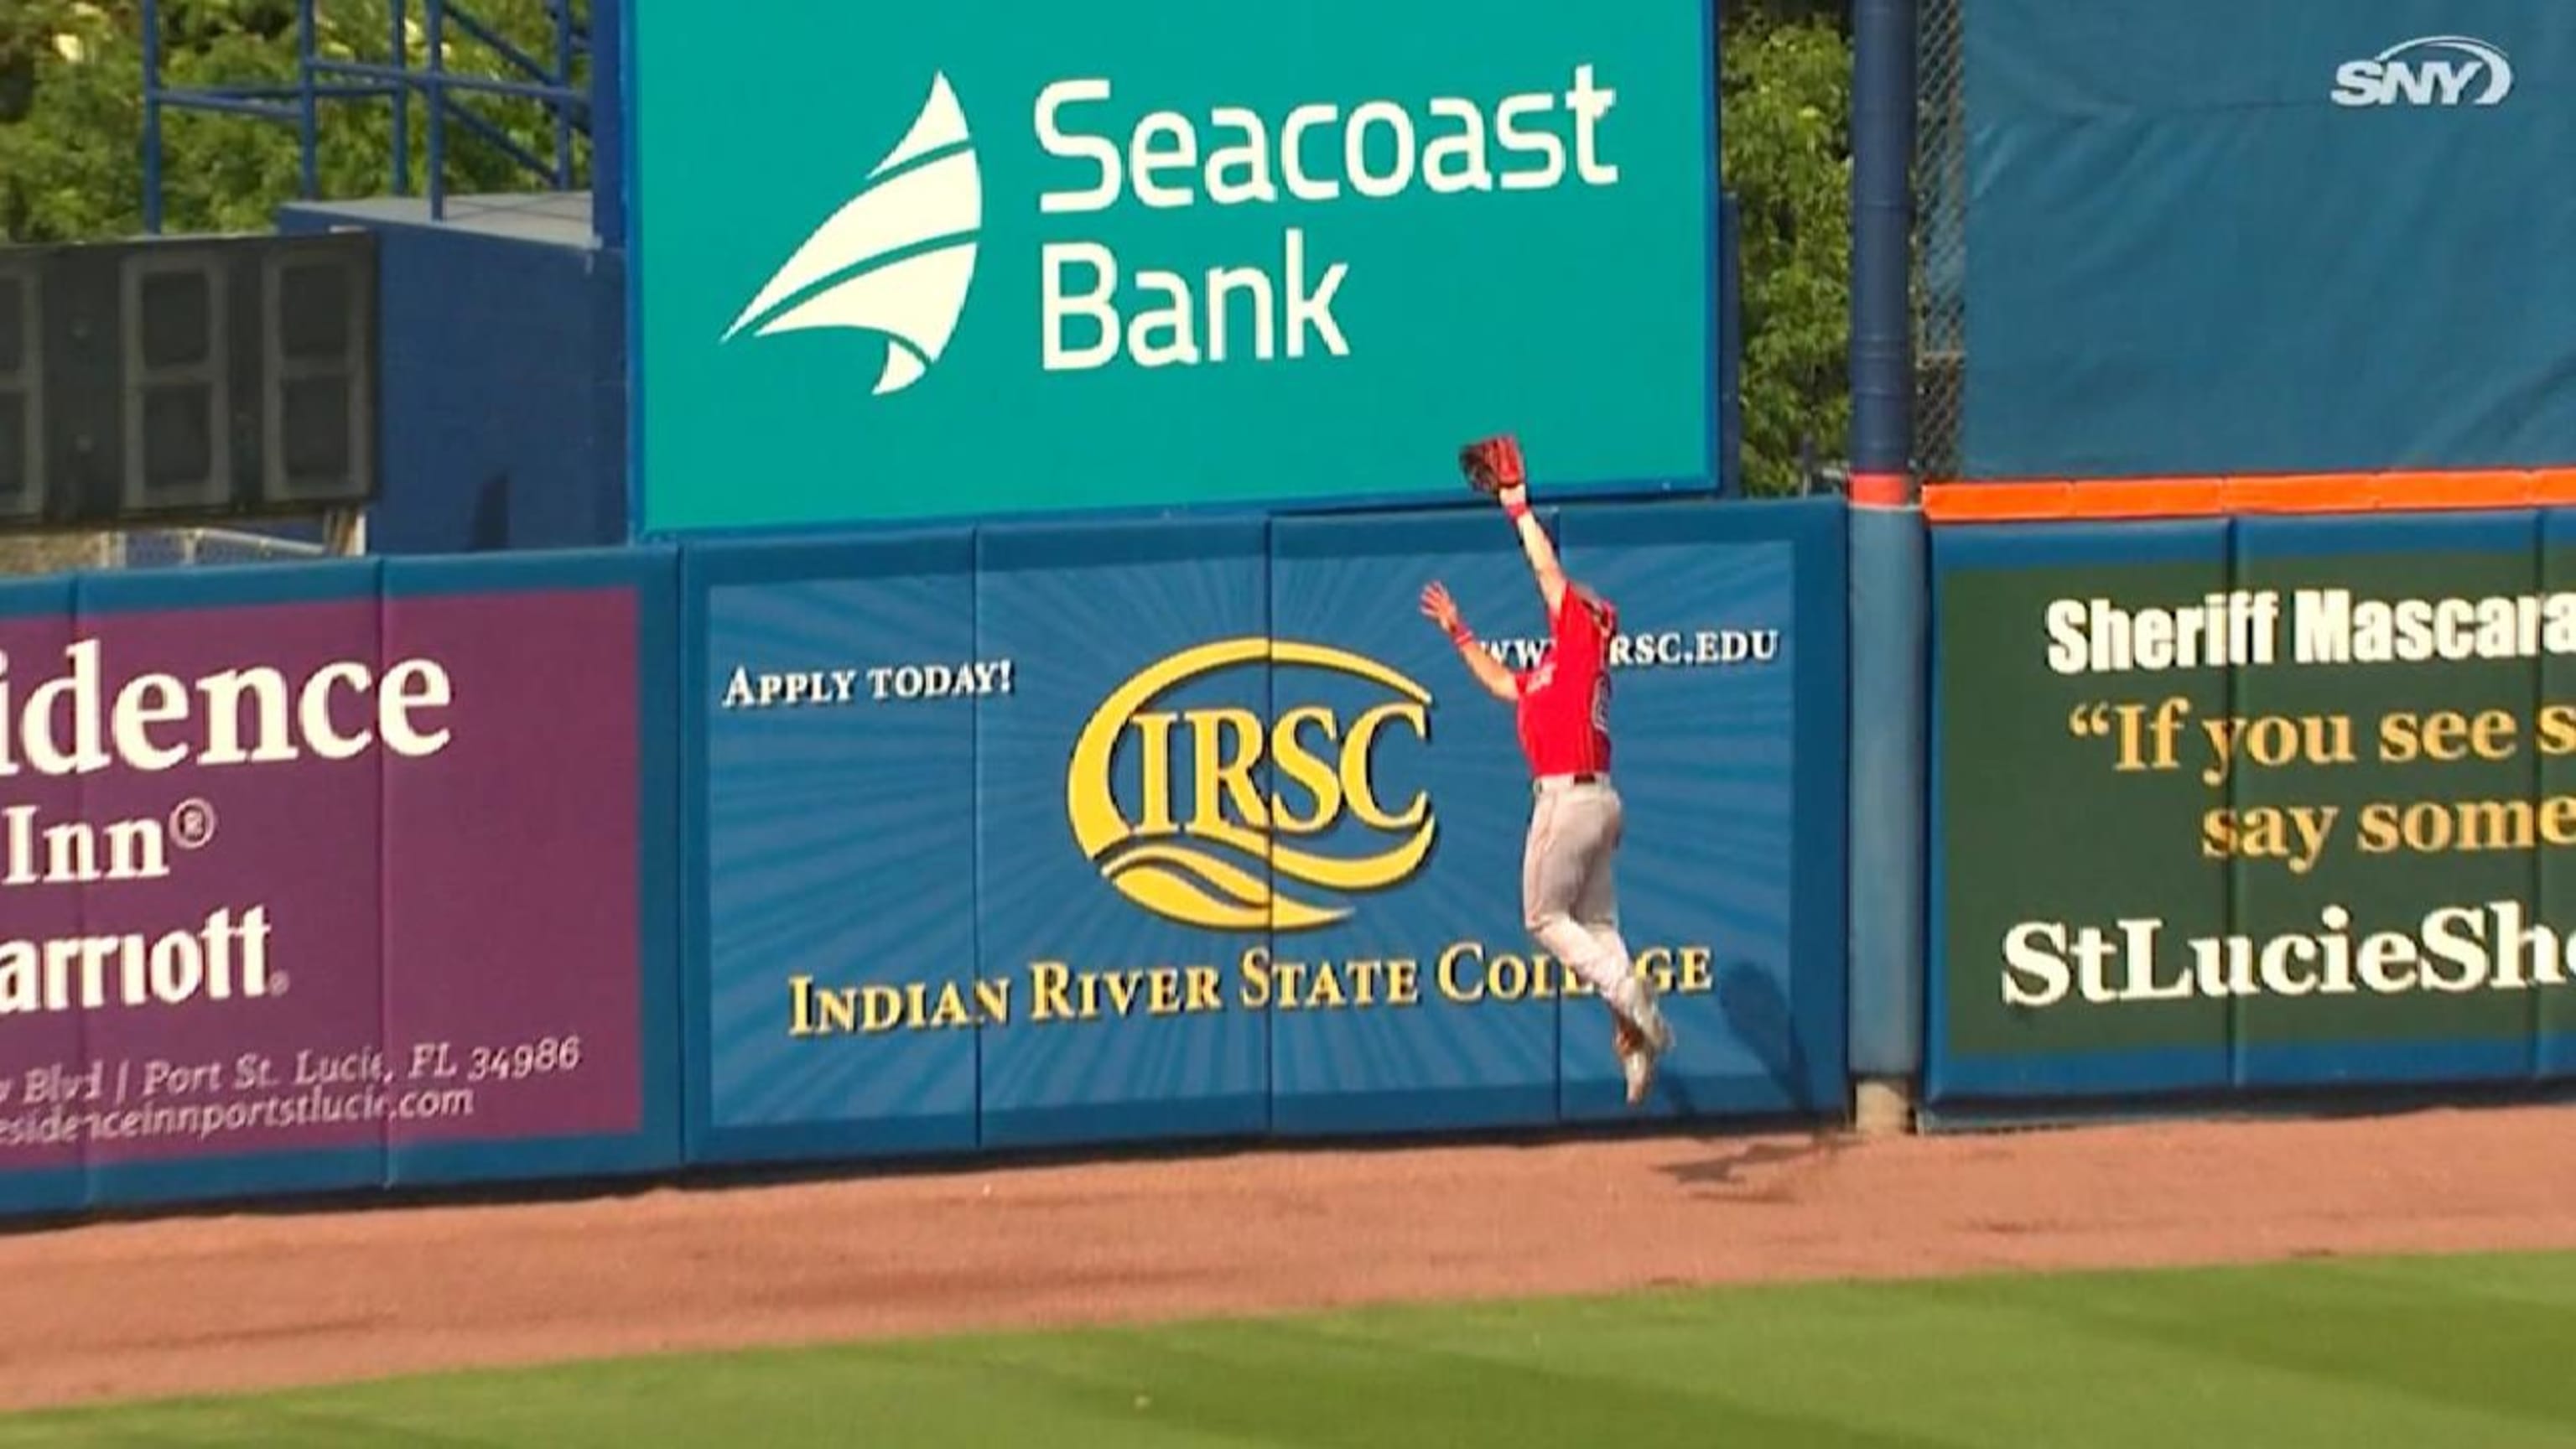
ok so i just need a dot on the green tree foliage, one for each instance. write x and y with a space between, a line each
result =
71 113
1787 139
1736 15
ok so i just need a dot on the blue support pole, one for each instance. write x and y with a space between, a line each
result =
470 84
511 56
152 117
1882 204
500 140
608 21
1890 600
308 127
437 95
563 77
398 55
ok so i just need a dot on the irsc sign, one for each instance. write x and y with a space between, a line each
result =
2430 70
1160 858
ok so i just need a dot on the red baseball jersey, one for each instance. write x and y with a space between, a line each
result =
1564 703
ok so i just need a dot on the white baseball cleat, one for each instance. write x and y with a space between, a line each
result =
1649 1016
1640 1047
1639 1067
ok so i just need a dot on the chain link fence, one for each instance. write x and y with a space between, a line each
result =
1940 237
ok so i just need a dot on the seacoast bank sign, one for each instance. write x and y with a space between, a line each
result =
1089 219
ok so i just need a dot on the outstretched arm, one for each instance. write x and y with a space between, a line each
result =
1489 671
1536 546
1495 464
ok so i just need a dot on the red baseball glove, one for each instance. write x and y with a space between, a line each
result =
1493 464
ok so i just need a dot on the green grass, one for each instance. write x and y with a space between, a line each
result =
2448 1352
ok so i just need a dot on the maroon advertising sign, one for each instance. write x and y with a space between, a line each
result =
329 876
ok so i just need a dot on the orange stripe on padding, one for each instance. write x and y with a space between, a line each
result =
1993 501
2300 493
2218 496
2144 497
2455 490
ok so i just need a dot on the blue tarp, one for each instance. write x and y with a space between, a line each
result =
2211 236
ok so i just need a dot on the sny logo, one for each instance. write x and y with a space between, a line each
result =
898 257
2430 70
1160 858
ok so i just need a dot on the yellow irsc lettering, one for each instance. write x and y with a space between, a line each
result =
1471 951
1255 967
1049 992
1404 982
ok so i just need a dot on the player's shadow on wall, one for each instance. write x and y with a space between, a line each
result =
487 530
1759 1016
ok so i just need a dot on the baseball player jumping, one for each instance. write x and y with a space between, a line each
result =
1563 704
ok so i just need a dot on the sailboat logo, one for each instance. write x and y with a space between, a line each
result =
897 258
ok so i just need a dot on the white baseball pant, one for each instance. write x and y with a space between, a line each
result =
1569 897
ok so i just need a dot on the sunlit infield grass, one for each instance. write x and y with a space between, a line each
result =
2454 1352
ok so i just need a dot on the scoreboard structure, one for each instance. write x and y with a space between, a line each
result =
191 380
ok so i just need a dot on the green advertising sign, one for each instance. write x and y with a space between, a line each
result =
1009 257
2264 804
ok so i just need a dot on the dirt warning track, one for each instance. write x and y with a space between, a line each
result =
212 1304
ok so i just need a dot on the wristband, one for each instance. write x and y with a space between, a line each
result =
1461 635
1516 510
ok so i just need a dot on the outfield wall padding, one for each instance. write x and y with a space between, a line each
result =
964 841
825 843
337 876
1200 830
570 866
1889 668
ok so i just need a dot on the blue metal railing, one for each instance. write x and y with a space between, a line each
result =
443 92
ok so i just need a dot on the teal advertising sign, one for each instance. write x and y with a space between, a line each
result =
1009 257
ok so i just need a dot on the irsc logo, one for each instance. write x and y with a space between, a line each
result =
897 257
2430 70
1160 858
